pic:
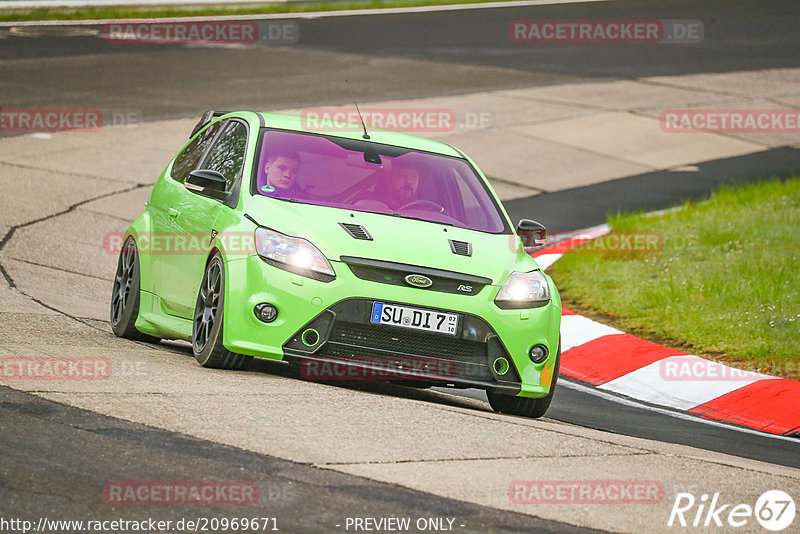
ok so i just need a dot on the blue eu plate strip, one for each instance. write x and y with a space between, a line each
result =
377 310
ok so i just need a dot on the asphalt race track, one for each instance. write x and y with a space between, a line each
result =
380 58
370 58
119 447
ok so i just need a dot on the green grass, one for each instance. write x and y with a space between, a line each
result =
726 283
127 12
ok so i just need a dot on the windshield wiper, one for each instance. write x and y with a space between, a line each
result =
396 214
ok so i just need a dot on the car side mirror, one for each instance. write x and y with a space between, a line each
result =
208 183
532 233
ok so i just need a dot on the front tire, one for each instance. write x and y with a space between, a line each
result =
524 406
207 325
124 308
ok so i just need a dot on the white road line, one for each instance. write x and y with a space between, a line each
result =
577 330
656 384
5 4
678 415
546 260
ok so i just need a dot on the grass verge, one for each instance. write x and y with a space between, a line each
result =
146 12
718 278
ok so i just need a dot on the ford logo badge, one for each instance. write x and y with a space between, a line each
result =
418 280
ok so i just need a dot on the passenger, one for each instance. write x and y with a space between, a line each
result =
281 174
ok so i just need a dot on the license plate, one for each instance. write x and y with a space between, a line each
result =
430 321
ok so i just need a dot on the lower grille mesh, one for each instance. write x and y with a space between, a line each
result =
462 358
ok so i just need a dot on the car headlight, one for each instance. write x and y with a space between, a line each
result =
293 254
523 290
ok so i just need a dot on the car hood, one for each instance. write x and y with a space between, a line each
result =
395 239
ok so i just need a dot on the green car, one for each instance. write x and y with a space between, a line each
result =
352 255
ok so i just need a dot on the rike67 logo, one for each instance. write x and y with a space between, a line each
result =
774 510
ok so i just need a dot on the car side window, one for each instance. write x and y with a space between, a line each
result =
227 155
189 159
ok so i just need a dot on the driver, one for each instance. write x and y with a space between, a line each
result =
402 187
281 173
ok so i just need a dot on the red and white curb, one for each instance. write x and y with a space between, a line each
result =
616 362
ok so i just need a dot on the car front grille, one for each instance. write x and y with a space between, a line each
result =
372 342
386 272
346 335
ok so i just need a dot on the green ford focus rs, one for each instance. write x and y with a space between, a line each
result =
349 254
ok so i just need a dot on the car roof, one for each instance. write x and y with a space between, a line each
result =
354 131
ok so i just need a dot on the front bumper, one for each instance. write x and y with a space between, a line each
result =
344 336
339 313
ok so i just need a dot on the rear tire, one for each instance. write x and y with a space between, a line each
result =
524 406
124 308
207 324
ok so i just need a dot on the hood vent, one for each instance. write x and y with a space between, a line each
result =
356 231
462 248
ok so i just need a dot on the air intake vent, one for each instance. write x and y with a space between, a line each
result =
357 231
462 248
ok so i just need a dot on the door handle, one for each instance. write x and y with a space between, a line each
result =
173 212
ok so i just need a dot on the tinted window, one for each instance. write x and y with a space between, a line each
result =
189 159
227 155
365 176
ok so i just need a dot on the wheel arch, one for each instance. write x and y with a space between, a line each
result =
139 229
220 356
218 248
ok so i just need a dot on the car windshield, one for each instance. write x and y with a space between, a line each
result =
365 176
